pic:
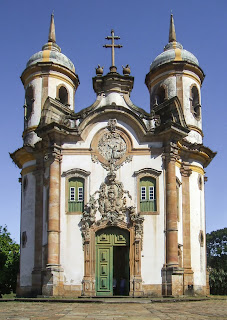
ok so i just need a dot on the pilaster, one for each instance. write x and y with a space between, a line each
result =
188 273
171 153
36 273
172 275
53 275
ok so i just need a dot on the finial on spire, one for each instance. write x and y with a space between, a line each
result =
172 33
52 37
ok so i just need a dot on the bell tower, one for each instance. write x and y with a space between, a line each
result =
48 73
176 72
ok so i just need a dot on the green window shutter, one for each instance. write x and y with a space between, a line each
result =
147 194
76 195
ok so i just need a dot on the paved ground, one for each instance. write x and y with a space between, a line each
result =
211 309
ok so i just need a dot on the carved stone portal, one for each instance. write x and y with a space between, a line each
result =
111 206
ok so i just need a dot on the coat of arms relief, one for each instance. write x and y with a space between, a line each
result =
111 203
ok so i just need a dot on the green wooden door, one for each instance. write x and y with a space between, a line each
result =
106 241
105 271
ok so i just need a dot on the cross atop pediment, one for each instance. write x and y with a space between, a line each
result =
112 46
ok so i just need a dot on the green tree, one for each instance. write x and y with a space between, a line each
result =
217 261
9 262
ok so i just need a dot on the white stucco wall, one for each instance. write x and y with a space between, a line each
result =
194 136
36 112
197 214
28 225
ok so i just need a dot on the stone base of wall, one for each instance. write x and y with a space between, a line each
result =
172 281
25 292
200 290
152 290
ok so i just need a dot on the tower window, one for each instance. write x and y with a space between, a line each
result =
195 106
147 196
159 95
29 99
63 95
76 195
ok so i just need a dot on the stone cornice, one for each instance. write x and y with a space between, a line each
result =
175 66
44 68
22 155
113 82
196 151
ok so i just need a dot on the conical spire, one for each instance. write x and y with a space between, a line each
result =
172 33
52 37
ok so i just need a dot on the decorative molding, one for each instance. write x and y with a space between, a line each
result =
148 172
185 169
110 201
171 152
53 154
194 128
76 172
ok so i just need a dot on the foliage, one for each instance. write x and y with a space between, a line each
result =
217 261
218 282
9 262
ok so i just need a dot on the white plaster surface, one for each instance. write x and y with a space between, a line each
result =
29 164
112 98
28 225
153 249
197 215
71 250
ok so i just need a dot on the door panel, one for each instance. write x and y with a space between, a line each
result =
112 261
104 271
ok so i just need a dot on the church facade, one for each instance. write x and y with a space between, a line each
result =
113 196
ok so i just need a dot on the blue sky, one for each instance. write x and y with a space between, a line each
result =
81 28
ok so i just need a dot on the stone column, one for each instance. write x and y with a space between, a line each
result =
36 273
172 275
188 273
52 277
54 212
171 208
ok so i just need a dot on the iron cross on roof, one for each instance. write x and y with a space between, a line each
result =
112 46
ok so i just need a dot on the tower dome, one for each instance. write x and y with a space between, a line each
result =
173 51
48 74
176 73
51 52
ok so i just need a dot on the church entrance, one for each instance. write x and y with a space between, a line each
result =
112 262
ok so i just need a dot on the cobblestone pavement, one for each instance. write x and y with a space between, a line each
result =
211 309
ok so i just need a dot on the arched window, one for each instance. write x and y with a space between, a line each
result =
148 194
195 106
63 95
159 95
29 99
76 195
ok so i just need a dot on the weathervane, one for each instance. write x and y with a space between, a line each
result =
113 68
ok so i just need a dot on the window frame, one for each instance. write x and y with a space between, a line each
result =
80 174
148 173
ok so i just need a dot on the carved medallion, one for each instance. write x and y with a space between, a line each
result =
112 146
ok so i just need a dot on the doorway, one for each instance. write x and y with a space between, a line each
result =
112 262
